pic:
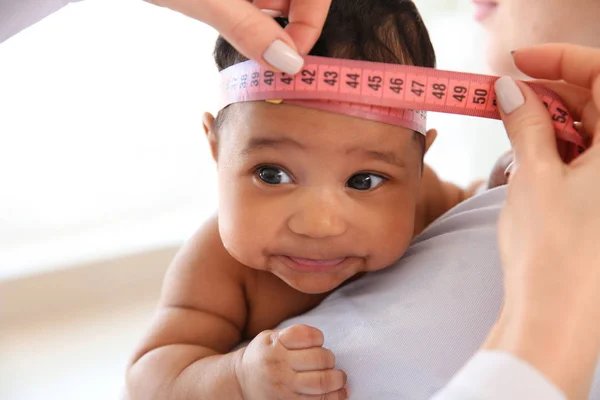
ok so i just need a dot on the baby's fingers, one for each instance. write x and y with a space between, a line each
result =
341 394
315 359
298 337
319 382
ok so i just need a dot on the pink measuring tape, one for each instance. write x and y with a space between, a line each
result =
391 93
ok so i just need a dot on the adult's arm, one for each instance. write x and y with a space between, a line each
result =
494 375
18 15
248 26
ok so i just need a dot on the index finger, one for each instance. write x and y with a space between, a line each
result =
578 65
306 20
297 337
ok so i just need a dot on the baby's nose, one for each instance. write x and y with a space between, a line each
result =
319 216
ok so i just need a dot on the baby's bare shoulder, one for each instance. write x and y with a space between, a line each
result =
203 273
203 301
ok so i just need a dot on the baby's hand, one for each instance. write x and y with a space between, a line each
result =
290 364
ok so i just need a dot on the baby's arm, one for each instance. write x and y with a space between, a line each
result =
201 315
210 302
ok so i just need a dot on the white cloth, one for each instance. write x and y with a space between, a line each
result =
498 376
404 332
16 15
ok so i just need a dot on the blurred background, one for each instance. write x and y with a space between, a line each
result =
104 172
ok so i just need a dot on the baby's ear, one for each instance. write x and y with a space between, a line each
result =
208 123
430 138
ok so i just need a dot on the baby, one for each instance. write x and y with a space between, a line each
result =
309 200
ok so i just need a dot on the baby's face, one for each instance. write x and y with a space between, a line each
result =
314 197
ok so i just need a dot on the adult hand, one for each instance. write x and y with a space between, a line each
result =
250 28
549 229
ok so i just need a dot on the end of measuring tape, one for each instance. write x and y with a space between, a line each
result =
386 92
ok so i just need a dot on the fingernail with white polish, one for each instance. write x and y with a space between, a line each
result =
283 57
272 13
509 95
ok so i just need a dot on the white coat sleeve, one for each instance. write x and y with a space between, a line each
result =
16 15
495 375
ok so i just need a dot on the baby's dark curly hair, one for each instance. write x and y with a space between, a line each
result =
388 31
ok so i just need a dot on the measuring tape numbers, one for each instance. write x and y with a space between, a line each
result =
391 93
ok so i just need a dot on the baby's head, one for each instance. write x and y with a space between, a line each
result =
316 197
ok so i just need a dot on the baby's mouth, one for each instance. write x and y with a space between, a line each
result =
317 263
313 265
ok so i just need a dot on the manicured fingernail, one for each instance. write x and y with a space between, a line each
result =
509 95
283 57
272 13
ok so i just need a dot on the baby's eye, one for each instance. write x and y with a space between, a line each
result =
273 175
365 181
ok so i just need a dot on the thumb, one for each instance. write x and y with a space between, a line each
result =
252 32
527 122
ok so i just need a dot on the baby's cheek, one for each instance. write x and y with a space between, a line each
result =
233 228
231 235
241 243
393 238
241 231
